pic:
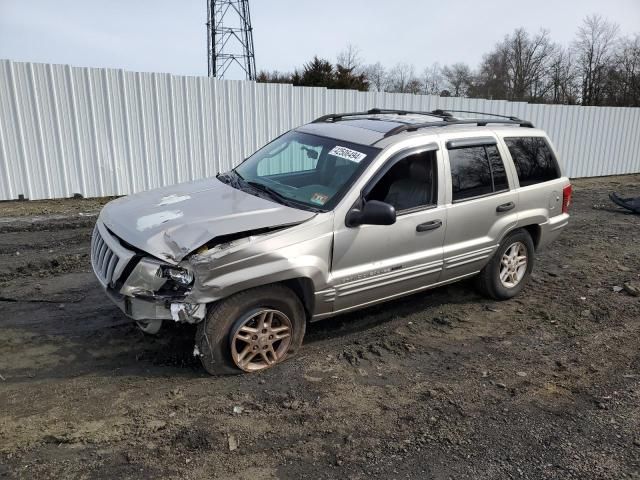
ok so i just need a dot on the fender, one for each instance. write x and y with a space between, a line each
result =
263 260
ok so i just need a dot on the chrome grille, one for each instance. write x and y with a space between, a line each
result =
103 259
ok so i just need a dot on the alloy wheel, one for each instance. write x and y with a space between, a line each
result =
261 340
513 264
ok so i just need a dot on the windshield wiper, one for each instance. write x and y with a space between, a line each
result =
236 180
270 191
281 198
235 172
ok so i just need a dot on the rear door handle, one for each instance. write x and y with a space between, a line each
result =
424 227
505 207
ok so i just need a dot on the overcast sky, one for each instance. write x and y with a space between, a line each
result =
170 35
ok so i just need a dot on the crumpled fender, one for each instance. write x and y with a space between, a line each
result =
298 252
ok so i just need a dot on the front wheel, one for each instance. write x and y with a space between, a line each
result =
509 269
251 331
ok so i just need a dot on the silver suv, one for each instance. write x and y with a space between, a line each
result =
339 214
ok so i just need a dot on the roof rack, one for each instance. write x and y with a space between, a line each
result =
334 117
444 112
481 122
446 117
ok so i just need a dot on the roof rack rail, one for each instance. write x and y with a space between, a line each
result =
446 119
481 122
450 112
433 113
334 117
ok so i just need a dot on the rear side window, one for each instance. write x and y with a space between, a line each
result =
534 160
476 171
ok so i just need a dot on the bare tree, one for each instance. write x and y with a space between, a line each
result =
598 69
628 61
401 78
492 79
458 77
517 68
593 46
414 85
350 58
563 78
432 80
527 60
623 77
349 73
377 76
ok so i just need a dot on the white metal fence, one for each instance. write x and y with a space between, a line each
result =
98 132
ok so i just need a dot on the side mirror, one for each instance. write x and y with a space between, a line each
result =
374 212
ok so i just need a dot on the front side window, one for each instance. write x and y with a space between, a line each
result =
476 171
533 158
409 184
305 170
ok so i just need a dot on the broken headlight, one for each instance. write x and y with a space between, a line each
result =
181 276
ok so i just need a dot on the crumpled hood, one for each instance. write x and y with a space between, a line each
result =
171 222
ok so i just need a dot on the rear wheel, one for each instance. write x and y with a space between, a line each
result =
509 269
251 331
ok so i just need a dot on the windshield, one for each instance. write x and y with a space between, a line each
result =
305 170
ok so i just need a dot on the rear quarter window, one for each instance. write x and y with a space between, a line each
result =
533 158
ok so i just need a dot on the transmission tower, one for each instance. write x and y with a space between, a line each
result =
230 37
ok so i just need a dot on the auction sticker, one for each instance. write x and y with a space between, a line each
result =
319 199
347 154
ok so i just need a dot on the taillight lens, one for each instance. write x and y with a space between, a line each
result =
566 198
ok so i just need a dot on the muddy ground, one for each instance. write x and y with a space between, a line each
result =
443 384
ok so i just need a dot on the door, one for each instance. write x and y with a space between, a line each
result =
372 263
481 205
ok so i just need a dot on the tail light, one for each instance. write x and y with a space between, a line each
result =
566 198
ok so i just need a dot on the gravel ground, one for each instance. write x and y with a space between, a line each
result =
443 384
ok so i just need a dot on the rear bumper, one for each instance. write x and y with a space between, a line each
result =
551 229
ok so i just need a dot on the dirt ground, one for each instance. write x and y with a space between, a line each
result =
443 384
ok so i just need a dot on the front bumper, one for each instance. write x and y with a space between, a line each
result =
139 309
143 309
133 290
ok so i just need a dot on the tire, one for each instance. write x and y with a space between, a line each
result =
489 280
149 327
219 335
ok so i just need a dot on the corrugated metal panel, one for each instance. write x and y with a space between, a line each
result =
97 132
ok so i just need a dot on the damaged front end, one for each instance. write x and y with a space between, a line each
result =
143 287
148 289
145 247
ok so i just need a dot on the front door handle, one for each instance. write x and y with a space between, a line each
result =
423 227
505 207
